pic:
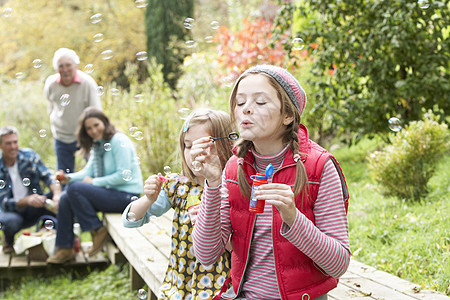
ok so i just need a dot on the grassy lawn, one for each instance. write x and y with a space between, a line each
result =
408 239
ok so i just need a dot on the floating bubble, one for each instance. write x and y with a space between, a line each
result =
184 113
20 75
228 81
127 175
89 68
141 55
189 23
208 39
138 135
7 11
98 37
214 25
197 166
139 98
134 198
26 181
167 170
298 44
141 3
42 133
137 161
34 191
100 90
64 99
37 63
423 4
2 184
115 92
67 170
395 124
107 147
107 54
131 216
142 294
190 44
49 224
97 18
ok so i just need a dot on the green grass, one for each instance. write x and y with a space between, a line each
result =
408 239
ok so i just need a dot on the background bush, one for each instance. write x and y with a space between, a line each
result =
404 168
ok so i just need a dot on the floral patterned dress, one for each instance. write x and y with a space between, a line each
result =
186 278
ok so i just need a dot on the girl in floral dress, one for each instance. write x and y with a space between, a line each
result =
185 278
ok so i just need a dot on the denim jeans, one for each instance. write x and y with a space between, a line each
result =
13 222
65 155
82 201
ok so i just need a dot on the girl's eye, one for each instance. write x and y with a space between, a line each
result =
261 101
240 101
187 146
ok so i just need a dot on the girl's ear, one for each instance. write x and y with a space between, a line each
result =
288 119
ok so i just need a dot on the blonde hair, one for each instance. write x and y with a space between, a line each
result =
219 124
289 136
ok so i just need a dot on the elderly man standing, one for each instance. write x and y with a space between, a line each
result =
69 92
21 197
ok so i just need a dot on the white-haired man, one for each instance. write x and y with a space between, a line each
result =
69 92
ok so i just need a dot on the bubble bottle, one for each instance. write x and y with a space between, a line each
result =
192 202
77 237
257 206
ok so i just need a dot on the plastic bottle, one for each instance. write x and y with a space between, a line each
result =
77 238
257 206
192 202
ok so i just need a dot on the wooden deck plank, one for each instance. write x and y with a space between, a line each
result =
19 261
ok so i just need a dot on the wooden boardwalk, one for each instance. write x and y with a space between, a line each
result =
17 266
147 249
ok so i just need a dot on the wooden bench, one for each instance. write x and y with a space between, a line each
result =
147 250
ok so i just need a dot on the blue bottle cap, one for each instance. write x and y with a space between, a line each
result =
269 171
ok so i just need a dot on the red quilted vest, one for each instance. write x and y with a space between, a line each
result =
297 275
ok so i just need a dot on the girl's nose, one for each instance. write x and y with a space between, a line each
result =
247 109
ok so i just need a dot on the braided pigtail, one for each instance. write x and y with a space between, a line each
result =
301 178
244 186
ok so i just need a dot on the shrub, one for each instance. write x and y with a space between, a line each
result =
404 167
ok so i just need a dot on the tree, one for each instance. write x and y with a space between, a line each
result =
377 59
166 34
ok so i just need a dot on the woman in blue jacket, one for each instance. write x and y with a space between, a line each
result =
108 182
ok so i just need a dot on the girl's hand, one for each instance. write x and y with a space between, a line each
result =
61 177
282 197
204 151
152 187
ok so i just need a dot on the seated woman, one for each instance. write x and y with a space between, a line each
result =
108 182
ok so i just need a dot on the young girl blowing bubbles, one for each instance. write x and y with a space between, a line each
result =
298 247
185 277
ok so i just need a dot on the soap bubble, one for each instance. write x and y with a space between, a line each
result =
167 170
7 11
197 166
395 124
107 147
133 129
37 63
98 37
42 133
423 4
2 184
208 39
49 224
141 55
107 54
64 99
215 25
184 113
20 75
139 98
97 18
34 191
190 44
131 216
138 135
141 3
127 175
137 161
89 68
189 23
298 44
142 294
26 181
100 90
115 92
134 198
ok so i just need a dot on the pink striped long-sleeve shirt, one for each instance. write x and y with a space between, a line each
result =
326 242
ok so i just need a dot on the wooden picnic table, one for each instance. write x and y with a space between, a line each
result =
147 250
